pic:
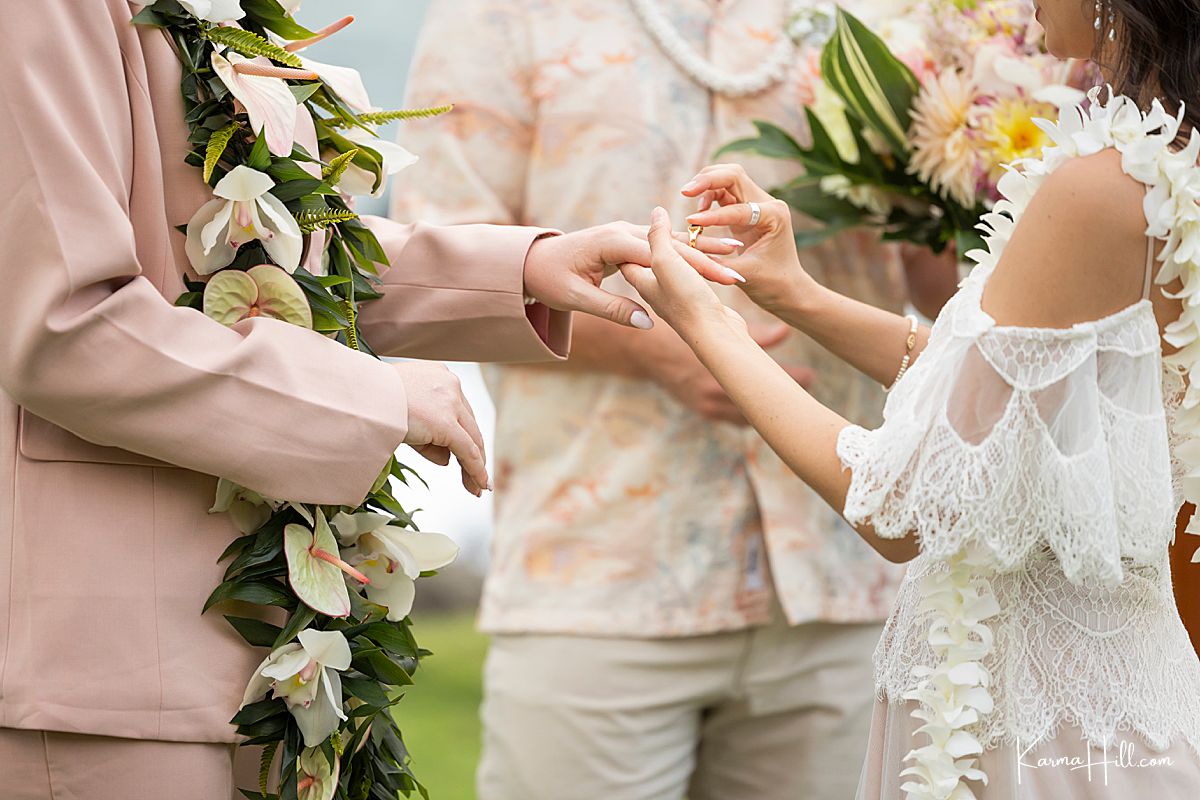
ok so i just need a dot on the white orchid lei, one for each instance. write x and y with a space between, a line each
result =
284 142
953 694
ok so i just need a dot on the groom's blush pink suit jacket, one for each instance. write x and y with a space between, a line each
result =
118 408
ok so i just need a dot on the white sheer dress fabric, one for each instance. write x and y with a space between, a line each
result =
1049 452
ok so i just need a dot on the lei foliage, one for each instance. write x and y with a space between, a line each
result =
365 756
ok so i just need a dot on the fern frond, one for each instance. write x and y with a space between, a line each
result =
264 766
384 117
251 45
313 221
337 168
216 148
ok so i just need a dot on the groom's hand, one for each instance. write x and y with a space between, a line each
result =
564 272
441 422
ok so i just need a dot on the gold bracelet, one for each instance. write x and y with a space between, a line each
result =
909 345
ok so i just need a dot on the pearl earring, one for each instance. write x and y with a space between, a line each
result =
1112 20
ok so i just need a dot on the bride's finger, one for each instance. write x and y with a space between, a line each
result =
738 216
710 244
717 273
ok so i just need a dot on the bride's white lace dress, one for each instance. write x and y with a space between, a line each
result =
1036 467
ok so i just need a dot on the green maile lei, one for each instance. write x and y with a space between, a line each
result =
321 703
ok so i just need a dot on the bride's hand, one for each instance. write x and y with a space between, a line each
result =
675 289
769 262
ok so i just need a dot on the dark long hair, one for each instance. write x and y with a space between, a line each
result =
1157 53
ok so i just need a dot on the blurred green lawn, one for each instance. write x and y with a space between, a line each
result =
440 714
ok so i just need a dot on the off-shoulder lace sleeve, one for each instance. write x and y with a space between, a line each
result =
1023 438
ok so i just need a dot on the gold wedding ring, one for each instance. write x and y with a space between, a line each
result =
694 232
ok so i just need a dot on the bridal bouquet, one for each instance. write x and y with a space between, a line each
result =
285 142
912 127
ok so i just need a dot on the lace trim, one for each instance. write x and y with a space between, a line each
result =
1109 661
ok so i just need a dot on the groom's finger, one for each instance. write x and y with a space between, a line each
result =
614 308
434 454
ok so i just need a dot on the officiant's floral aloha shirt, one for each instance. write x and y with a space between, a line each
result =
619 511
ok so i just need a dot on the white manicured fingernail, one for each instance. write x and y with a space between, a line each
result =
733 243
641 320
735 275
690 185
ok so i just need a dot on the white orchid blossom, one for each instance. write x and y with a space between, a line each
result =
243 211
268 101
392 558
248 509
360 182
215 10
304 675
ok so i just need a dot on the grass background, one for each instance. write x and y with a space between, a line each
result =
439 716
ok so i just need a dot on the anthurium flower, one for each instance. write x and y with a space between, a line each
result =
346 82
358 181
249 510
392 558
243 211
263 291
215 10
268 101
316 778
304 675
315 569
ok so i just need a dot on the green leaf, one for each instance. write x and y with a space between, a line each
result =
772 142
379 666
257 592
257 712
312 221
304 91
367 690
255 631
260 157
805 196
300 619
216 148
394 638
337 168
271 15
293 190
148 16
876 86
384 117
251 45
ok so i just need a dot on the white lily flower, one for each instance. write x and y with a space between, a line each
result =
360 182
392 558
244 210
290 6
215 10
305 676
268 101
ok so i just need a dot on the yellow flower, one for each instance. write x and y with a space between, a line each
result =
1011 134
943 152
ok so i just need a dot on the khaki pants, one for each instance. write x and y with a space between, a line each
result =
774 713
43 765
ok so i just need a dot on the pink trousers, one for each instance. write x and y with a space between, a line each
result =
44 765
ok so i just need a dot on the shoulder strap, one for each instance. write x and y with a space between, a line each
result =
1150 243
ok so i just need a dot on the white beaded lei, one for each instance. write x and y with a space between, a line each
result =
704 72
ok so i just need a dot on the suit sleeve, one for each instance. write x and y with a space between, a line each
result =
92 346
